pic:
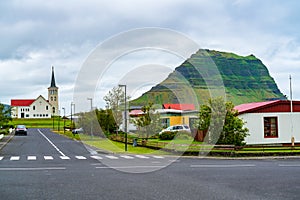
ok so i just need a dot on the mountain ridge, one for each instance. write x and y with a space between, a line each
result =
245 79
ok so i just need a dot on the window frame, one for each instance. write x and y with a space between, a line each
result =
269 127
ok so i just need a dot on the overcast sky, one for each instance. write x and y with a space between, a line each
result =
36 35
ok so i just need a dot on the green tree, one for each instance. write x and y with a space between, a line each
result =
222 122
149 123
115 100
4 115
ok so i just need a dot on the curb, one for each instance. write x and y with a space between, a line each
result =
6 140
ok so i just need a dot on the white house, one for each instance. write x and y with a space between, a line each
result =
39 107
271 122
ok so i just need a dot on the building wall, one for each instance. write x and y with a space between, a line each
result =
40 109
288 127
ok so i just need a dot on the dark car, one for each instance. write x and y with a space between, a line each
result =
21 130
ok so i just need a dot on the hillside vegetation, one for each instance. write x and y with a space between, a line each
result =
245 79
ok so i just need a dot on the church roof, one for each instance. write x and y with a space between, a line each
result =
21 102
53 79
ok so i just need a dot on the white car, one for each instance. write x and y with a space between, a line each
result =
177 128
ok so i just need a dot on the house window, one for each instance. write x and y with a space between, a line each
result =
270 127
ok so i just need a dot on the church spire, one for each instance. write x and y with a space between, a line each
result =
53 79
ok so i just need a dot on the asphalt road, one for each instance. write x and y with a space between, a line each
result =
44 165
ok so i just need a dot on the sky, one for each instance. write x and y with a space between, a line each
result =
36 35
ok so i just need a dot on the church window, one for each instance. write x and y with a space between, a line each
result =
51 98
47 108
54 98
33 107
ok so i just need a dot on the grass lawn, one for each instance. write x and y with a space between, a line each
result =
108 145
41 123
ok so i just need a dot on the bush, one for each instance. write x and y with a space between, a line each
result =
4 131
184 135
167 135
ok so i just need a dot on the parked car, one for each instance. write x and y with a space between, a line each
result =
77 130
21 130
177 128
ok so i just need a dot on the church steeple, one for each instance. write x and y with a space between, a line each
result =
53 95
53 78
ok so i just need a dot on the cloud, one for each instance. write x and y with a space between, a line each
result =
38 34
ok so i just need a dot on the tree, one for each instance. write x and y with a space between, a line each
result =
114 101
149 123
4 115
222 122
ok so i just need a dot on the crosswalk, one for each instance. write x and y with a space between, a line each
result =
78 157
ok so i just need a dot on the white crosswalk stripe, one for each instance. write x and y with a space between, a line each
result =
48 157
112 157
31 157
159 157
14 158
64 157
140 156
127 157
97 157
80 157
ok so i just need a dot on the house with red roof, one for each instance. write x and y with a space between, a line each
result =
271 122
39 107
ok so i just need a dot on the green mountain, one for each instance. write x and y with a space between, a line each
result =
210 73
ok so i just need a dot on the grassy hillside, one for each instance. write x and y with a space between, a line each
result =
245 78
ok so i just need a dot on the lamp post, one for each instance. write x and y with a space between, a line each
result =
72 104
64 118
125 113
91 99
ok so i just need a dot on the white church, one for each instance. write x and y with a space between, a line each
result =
39 107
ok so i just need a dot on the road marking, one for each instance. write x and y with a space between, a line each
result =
80 157
1 157
96 157
221 166
31 157
130 167
112 157
159 157
64 157
48 157
55 147
140 156
127 157
32 169
14 158
289 165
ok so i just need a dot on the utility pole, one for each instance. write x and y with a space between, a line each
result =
125 113
91 99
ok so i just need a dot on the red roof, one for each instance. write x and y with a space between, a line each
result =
179 106
268 106
136 112
21 102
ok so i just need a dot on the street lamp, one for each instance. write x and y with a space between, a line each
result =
72 104
125 113
64 118
91 99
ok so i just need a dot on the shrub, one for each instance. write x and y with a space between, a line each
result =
167 135
184 135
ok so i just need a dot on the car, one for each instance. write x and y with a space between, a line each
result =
177 128
77 130
21 130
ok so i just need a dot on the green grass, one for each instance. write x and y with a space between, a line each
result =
40 123
111 146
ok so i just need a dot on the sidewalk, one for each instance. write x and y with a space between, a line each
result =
4 139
